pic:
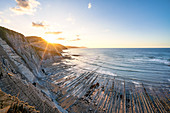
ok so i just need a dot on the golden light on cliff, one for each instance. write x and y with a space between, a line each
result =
50 43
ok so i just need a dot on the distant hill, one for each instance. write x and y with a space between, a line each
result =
41 43
74 47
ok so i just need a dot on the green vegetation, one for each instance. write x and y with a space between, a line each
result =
3 35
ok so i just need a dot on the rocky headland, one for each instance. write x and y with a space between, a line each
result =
21 67
30 70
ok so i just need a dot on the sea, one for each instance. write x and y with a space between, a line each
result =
138 65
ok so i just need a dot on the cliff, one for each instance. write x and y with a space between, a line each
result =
21 66
21 53
31 52
41 46
32 76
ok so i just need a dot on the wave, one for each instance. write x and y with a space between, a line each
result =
166 62
137 83
106 72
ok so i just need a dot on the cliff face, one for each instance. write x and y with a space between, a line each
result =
21 64
29 53
17 85
20 53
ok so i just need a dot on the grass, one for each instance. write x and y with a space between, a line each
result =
3 34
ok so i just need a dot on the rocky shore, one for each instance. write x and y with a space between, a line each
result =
28 72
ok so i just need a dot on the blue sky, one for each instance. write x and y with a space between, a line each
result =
106 24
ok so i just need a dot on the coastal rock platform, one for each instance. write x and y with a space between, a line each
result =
52 86
26 92
12 104
90 91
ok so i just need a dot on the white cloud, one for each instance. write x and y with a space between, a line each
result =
77 39
42 24
89 5
25 7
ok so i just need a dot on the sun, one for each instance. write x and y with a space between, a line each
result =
53 39
50 38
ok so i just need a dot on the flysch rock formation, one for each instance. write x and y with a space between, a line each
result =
12 104
21 68
92 92
36 78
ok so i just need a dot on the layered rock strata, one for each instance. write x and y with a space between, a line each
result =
20 68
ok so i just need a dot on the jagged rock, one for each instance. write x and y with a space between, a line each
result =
12 104
29 51
20 66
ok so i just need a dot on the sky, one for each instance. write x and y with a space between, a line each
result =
91 23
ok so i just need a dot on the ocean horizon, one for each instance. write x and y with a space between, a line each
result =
85 56
71 80
139 64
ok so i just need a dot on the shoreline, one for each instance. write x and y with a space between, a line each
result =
104 94
54 88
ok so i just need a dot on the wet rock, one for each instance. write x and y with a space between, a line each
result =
102 88
43 71
59 93
121 96
1 75
128 100
34 84
86 77
87 93
94 85
90 109
76 55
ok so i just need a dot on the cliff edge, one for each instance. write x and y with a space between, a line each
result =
21 60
